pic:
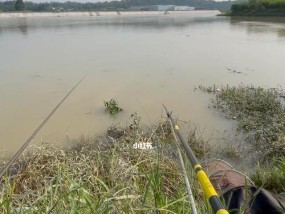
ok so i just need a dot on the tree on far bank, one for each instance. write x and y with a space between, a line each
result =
19 5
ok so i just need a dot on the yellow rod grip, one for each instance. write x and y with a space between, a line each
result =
222 211
207 187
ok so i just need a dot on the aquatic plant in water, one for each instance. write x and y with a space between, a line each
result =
112 106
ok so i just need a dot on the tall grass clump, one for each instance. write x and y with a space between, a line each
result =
104 175
271 176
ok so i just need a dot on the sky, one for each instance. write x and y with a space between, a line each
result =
93 1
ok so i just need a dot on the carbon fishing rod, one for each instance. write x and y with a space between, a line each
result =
186 180
14 158
209 191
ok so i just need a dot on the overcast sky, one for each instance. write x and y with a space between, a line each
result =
75 0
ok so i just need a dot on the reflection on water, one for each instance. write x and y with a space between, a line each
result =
18 25
141 61
261 25
158 22
23 26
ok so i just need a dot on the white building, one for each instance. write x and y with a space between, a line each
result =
184 8
154 7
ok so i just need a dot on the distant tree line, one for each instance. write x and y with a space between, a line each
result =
258 6
19 5
9 6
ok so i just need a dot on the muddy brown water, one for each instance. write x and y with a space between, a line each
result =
143 61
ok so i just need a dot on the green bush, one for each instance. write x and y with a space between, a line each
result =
258 5
239 7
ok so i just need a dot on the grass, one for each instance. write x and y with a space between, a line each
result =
101 176
199 146
112 106
272 175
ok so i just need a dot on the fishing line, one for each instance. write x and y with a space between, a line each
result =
14 158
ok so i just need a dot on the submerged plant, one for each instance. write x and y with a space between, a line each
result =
112 106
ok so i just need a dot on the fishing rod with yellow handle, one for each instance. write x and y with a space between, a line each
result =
208 189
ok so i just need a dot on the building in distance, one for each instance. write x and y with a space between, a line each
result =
184 8
162 8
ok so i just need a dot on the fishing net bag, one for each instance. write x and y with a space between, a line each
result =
239 192
223 176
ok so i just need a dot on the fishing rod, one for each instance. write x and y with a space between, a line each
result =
209 191
15 157
186 180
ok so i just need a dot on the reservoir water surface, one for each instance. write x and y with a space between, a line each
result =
143 61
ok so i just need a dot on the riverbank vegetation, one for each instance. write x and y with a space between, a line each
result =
259 8
260 116
104 175
271 175
9 6
117 172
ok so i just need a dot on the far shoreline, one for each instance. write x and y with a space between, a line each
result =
103 13
252 15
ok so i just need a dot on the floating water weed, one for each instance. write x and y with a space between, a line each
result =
258 111
112 106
